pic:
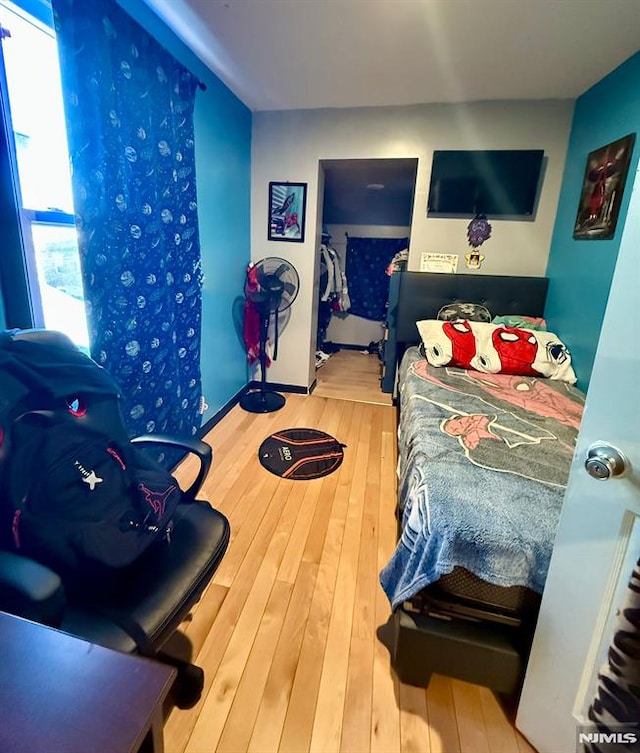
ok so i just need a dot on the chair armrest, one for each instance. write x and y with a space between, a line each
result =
31 590
197 447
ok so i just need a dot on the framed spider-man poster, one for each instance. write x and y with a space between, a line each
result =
287 206
602 189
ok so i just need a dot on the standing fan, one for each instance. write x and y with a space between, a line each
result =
272 286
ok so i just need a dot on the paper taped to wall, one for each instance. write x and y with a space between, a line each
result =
430 262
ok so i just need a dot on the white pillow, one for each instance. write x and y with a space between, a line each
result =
496 349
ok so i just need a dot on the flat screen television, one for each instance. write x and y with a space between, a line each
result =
498 183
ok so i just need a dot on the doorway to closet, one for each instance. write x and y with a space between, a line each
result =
366 221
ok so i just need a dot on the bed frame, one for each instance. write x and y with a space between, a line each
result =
461 627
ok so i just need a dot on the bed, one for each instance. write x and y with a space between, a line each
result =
483 460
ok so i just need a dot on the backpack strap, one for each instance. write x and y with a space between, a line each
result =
46 415
19 482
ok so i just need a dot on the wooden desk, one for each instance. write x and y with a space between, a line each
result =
60 694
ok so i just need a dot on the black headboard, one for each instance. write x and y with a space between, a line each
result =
420 295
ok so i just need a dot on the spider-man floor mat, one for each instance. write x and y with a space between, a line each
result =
301 454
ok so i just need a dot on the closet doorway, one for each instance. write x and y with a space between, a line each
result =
366 222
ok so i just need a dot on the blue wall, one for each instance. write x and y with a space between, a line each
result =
580 272
223 170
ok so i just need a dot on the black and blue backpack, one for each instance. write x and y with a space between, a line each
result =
75 494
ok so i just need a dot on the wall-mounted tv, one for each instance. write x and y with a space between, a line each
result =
498 183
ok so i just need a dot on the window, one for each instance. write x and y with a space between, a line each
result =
41 172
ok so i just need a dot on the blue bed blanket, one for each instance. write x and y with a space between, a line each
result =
483 461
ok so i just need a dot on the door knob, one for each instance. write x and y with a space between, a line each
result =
604 462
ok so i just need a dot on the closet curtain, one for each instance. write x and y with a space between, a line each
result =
129 113
367 261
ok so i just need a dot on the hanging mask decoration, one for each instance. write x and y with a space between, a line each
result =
478 231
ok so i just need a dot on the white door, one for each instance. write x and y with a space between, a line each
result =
598 539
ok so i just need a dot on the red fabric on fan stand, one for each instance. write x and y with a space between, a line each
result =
251 329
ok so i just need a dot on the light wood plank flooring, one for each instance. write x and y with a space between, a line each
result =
351 375
286 630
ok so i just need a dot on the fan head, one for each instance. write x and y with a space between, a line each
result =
278 283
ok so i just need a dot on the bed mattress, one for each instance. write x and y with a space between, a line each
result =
483 464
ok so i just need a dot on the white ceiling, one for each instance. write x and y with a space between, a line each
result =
302 54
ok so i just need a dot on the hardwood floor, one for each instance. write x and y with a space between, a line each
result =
351 375
286 631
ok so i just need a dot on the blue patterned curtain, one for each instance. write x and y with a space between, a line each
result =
129 111
367 261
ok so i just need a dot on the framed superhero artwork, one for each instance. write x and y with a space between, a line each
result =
287 206
603 184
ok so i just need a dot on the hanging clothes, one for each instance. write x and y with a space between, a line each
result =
327 272
251 325
398 263
334 294
333 281
251 328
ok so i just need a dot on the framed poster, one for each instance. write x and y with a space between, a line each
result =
602 189
287 206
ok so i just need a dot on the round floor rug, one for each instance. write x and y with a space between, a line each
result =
301 454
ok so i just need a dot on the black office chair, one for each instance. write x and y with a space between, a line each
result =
157 592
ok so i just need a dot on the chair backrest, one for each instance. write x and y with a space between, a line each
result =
45 370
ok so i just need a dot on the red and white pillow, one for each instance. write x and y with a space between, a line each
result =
496 349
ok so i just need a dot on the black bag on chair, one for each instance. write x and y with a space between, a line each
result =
63 445
80 502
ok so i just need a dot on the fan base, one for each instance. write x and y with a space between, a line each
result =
262 402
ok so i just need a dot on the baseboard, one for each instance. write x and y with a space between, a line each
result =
253 385
277 387
335 347
219 415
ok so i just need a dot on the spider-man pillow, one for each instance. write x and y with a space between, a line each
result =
496 349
